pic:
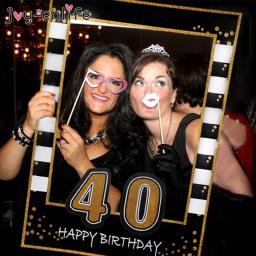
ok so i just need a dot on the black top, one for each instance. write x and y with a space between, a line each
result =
65 177
176 197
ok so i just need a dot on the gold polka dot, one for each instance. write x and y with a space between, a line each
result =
172 252
29 224
225 65
54 9
50 225
209 157
229 43
194 232
223 69
178 250
64 21
173 244
51 40
218 41
33 209
27 233
182 237
202 191
207 32
184 247
220 96
41 237
198 26
226 34
207 161
232 33
217 28
49 233
39 219
31 217
190 254
36 163
44 230
32 232
37 233
218 99
194 28
213 130
47 72
44 217
186 241
194 241
220 33
202 29
39 225
204 187
215 127
54 20
194 248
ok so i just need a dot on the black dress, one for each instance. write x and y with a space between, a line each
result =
64 177
231 218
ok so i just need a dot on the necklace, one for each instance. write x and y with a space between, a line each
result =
99 136
152 145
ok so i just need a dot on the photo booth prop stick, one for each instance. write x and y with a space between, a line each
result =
77 97
151 100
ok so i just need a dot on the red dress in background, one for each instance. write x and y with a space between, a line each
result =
246 153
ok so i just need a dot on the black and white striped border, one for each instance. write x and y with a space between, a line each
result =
212 115
217 85
52 70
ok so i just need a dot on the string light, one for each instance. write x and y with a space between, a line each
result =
26 49
99 27
39 31
16 51
87 36
8 32
80 34
17 45
18 35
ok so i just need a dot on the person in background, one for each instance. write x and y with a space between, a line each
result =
192 70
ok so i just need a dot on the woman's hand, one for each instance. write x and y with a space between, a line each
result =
41 105
72 148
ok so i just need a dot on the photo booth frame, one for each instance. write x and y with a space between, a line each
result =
43 219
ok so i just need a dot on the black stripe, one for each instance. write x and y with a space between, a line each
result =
214 100
52 77
220 69
41 168
204 162
45 139
199 191
210 131
56 46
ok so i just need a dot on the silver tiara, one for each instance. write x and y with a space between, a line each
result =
156 48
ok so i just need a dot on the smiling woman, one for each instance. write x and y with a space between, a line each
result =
92 136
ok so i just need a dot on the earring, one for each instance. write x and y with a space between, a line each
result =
172 104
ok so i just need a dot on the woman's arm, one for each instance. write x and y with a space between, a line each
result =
74 152
228 172
42 104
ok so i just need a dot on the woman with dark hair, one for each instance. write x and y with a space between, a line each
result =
170 154
94 139
91 139
192 70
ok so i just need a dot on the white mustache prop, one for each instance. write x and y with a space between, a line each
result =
151 100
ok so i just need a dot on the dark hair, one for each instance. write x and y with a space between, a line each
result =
191 71
144 59
81 119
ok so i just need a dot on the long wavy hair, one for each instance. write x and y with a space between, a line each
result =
81 120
